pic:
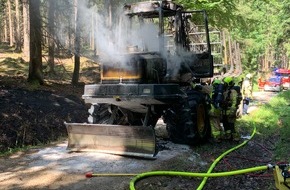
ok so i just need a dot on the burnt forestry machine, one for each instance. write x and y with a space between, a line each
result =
144 84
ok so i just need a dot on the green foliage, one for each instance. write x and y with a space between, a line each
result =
262 28
267 31
273 121
221 13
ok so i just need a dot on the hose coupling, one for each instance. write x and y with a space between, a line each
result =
270 166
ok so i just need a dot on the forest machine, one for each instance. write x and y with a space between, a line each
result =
146 83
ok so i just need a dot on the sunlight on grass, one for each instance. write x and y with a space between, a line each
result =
278 101
13 64
266 117
271 120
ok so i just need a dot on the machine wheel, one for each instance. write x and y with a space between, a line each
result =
188 122
179 123
106 114
99 113
200 116
111 114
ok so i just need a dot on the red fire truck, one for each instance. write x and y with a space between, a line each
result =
285 74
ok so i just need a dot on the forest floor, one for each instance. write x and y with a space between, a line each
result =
53 167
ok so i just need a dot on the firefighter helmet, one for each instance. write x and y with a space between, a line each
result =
216 82
249 76
228 81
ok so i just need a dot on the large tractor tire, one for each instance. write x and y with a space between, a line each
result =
99 114
188 122
200 106
110 114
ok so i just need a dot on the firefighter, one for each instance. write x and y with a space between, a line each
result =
229 109
215 111
247 90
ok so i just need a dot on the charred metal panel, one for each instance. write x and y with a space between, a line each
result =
128 68
150 9
133 97
199 65
134 68
160 90
108 90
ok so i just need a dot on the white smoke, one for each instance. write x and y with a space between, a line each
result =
116 39
113 39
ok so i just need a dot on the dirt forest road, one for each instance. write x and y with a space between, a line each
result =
53 167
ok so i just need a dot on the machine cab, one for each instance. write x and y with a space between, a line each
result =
160 41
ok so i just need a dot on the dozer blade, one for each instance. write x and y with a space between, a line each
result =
115 139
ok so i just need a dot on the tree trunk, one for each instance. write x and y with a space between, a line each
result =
225 48
10 23
108 7
51 45
26 30
75 78
18 36
92 40
69 42
35 64
230 54
5 29
95 35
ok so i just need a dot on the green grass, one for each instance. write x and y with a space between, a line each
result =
273 122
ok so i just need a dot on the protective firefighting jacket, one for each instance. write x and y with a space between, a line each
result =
231 97
247 88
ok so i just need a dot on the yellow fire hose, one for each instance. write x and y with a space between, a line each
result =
205 176
223 155
189 174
